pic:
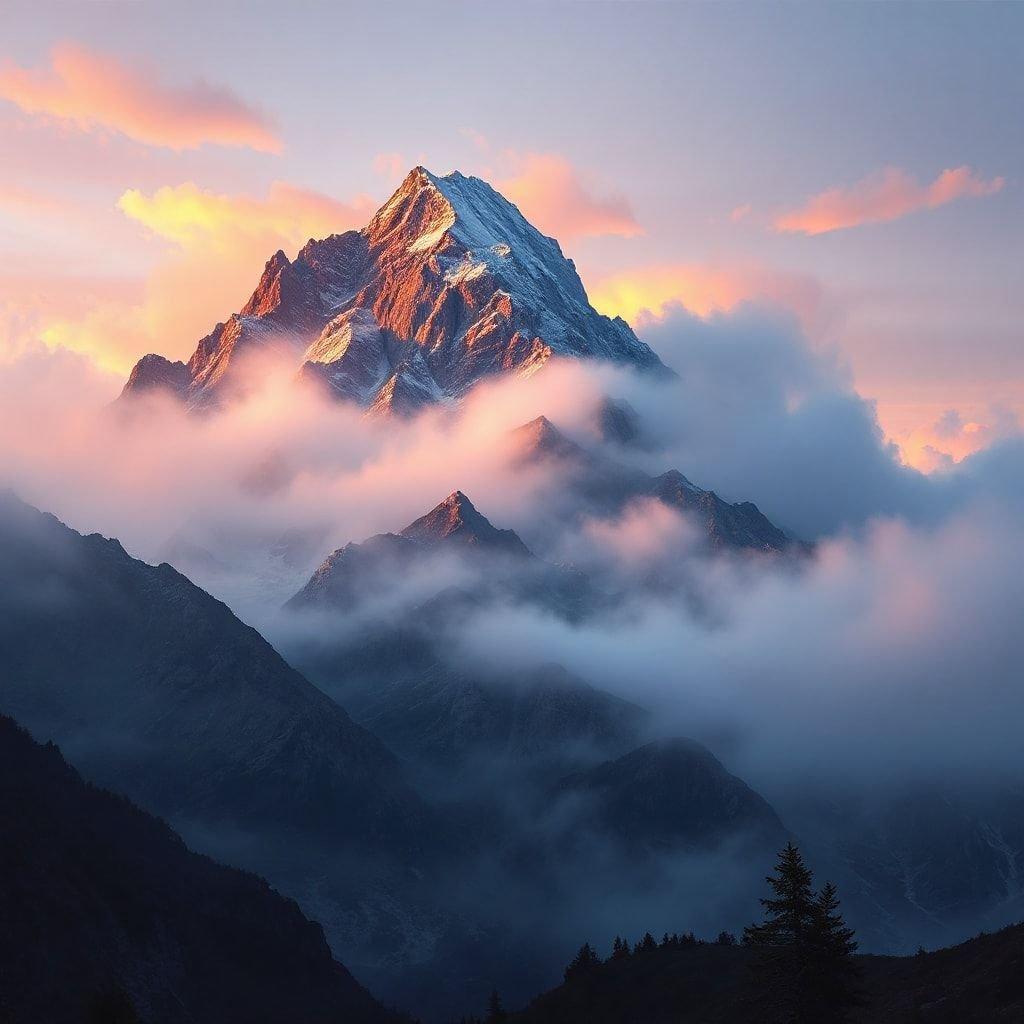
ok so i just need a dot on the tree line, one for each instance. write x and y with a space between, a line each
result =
801 954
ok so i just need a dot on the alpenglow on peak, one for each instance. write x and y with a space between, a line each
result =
447 284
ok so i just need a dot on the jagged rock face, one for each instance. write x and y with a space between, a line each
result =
603 486
457 520
155 373
448 284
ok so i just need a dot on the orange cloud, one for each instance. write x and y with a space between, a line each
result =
555 196
286 217
881 197
219 245
97 92
951 438
646 291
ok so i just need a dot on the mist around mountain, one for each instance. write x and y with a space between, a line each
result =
459 747
166 697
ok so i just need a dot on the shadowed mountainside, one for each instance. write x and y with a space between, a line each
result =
98 895
980 981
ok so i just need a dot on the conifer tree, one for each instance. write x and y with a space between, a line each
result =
495 1011
835 975
583 962
789 911
620 948
804 972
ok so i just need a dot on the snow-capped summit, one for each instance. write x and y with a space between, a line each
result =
446 285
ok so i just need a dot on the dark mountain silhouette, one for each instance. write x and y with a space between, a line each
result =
160 693
980 981
98 898
670 794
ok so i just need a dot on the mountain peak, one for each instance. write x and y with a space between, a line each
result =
449 283
456 519
541 439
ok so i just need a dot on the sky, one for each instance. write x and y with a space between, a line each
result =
858 166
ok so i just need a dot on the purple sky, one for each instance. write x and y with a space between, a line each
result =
677 152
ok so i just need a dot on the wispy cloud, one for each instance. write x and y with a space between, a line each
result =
97 92
884 196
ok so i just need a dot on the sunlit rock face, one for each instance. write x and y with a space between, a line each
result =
447 284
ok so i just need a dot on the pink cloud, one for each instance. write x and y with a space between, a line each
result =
28 201
96 91
647 291
555 196
884 196
952 437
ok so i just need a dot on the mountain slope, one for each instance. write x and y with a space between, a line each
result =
457 520
97 894
446 285
395 673
158 692
462 560
979 981
599 485
671 794
156 689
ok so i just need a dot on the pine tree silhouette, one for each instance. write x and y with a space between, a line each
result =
583 962
835 974
803 972
495 1011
